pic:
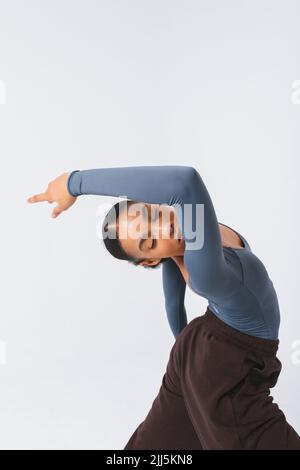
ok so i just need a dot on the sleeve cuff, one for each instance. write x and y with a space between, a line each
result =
73 183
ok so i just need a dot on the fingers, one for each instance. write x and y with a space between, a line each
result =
43 197
38 197
56 211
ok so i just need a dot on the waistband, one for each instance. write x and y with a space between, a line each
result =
267 346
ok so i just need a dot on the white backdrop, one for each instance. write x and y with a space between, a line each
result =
84 338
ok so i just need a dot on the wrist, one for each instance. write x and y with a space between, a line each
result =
73 183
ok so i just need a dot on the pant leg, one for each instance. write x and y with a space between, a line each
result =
215 394
167 426
226 378
262 424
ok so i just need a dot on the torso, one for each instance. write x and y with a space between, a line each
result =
229 239
244 310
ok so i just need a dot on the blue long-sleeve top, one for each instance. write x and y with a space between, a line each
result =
233 280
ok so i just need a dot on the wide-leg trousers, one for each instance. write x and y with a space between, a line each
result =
215 394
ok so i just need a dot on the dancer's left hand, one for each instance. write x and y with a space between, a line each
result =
56 192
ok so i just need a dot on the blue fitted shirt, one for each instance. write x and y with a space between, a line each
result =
233 280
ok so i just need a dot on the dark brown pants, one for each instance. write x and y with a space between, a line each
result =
215 394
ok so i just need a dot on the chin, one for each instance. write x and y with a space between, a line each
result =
180 250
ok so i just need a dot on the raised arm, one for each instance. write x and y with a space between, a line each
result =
151 184
175 185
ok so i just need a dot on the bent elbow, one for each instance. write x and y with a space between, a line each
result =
189 180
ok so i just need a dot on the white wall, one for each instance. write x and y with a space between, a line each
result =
110 83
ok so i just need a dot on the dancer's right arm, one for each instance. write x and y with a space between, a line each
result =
60 191
209 274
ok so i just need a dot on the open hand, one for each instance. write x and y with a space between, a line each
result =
56 192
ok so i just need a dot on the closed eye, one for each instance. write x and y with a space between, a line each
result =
143 240
156 216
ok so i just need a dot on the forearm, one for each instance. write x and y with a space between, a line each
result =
150 184
174 288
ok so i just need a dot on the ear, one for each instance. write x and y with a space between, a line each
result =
150 262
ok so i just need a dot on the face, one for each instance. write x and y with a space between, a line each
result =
151 232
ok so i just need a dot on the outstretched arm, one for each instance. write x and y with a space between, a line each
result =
175 185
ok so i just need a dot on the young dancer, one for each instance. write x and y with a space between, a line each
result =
215 393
